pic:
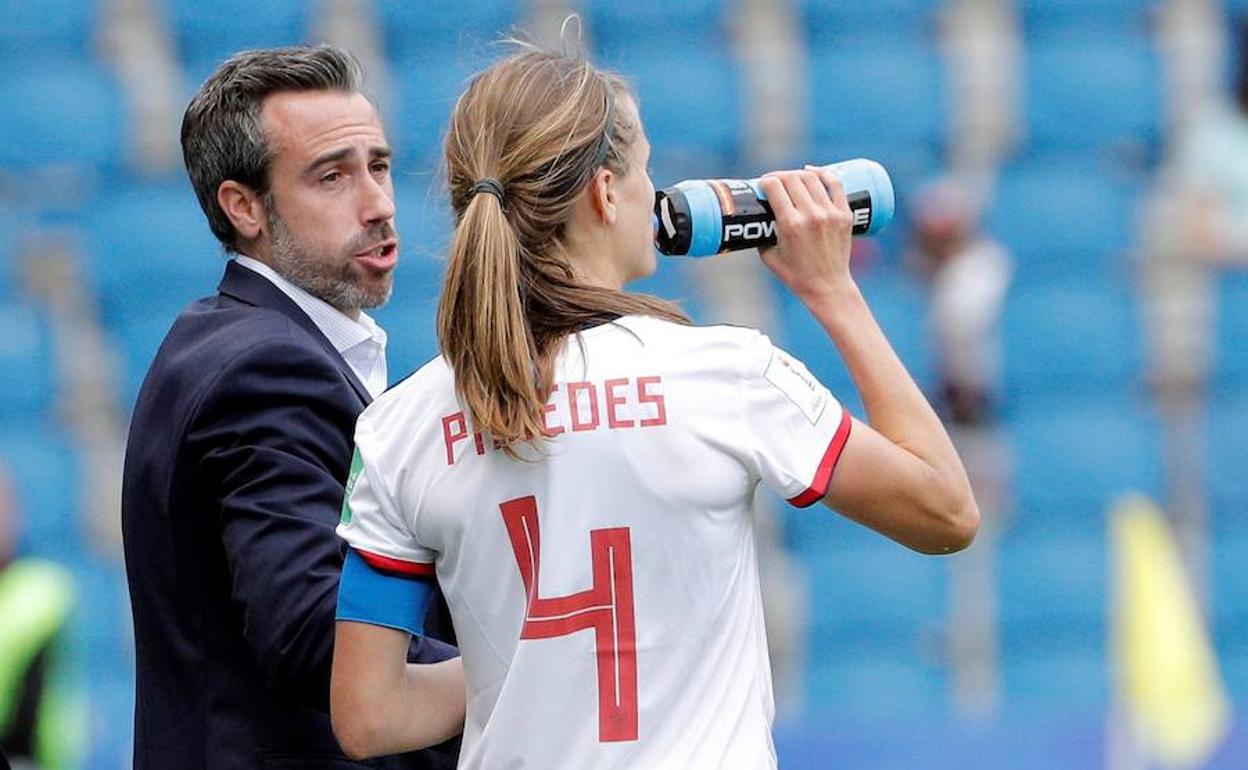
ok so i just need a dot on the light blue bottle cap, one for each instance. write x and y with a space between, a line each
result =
704 217
862 175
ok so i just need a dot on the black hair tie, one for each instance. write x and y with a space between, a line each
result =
491 186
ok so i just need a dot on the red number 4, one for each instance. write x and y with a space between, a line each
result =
607 608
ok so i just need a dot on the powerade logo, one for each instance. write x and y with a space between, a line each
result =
750 231
756 231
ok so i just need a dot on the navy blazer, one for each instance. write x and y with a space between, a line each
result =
238 452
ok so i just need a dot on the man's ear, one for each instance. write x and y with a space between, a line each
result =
603 195
244 208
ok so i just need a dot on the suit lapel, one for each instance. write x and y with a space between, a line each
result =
254 289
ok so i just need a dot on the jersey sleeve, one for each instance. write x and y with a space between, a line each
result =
795 427
387 575
373 523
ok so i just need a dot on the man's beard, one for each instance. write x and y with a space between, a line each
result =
325 276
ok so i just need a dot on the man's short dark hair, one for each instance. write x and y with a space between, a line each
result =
221 133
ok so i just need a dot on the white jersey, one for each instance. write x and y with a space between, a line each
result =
605 591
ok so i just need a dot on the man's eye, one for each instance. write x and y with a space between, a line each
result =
381 168
331 177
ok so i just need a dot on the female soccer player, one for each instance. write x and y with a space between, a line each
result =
577 468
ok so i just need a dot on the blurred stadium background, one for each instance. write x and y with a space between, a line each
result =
1065 114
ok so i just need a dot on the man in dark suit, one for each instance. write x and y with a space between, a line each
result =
242 435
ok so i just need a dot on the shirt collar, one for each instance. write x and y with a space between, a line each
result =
342 331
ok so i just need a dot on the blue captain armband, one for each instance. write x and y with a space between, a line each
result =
382 598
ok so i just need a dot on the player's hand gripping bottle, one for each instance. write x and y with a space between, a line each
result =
704 217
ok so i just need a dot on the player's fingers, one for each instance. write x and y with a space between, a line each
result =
836 190
795 184
815 187
778 197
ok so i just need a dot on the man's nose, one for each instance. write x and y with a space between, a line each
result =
377 204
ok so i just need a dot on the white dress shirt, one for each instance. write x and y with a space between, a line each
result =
362 344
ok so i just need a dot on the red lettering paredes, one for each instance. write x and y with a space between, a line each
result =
454 428
547 428
614 401
622 403
583 405
649 391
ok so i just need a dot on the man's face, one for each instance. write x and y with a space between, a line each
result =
330 205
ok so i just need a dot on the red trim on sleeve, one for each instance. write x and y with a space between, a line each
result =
823 474
396 566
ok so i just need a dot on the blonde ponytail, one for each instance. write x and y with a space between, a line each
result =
482 329
524 141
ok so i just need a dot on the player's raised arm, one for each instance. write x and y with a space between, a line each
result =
899 475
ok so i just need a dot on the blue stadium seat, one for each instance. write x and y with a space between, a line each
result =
151 251
43 468
1097 92
863 587
1053 585
1068 342
1064 17
443 27
1226 455
1016 736
426 89
10 234
1228 581
889 681
1064 680
425 224
1075 457
28 382
101 599
208 33
47 33
698 23
891 23
1064 218
137 336
1052 605
880 104
1233 666
691 104
68 116
1230 365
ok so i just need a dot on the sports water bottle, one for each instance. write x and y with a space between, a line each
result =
704 217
